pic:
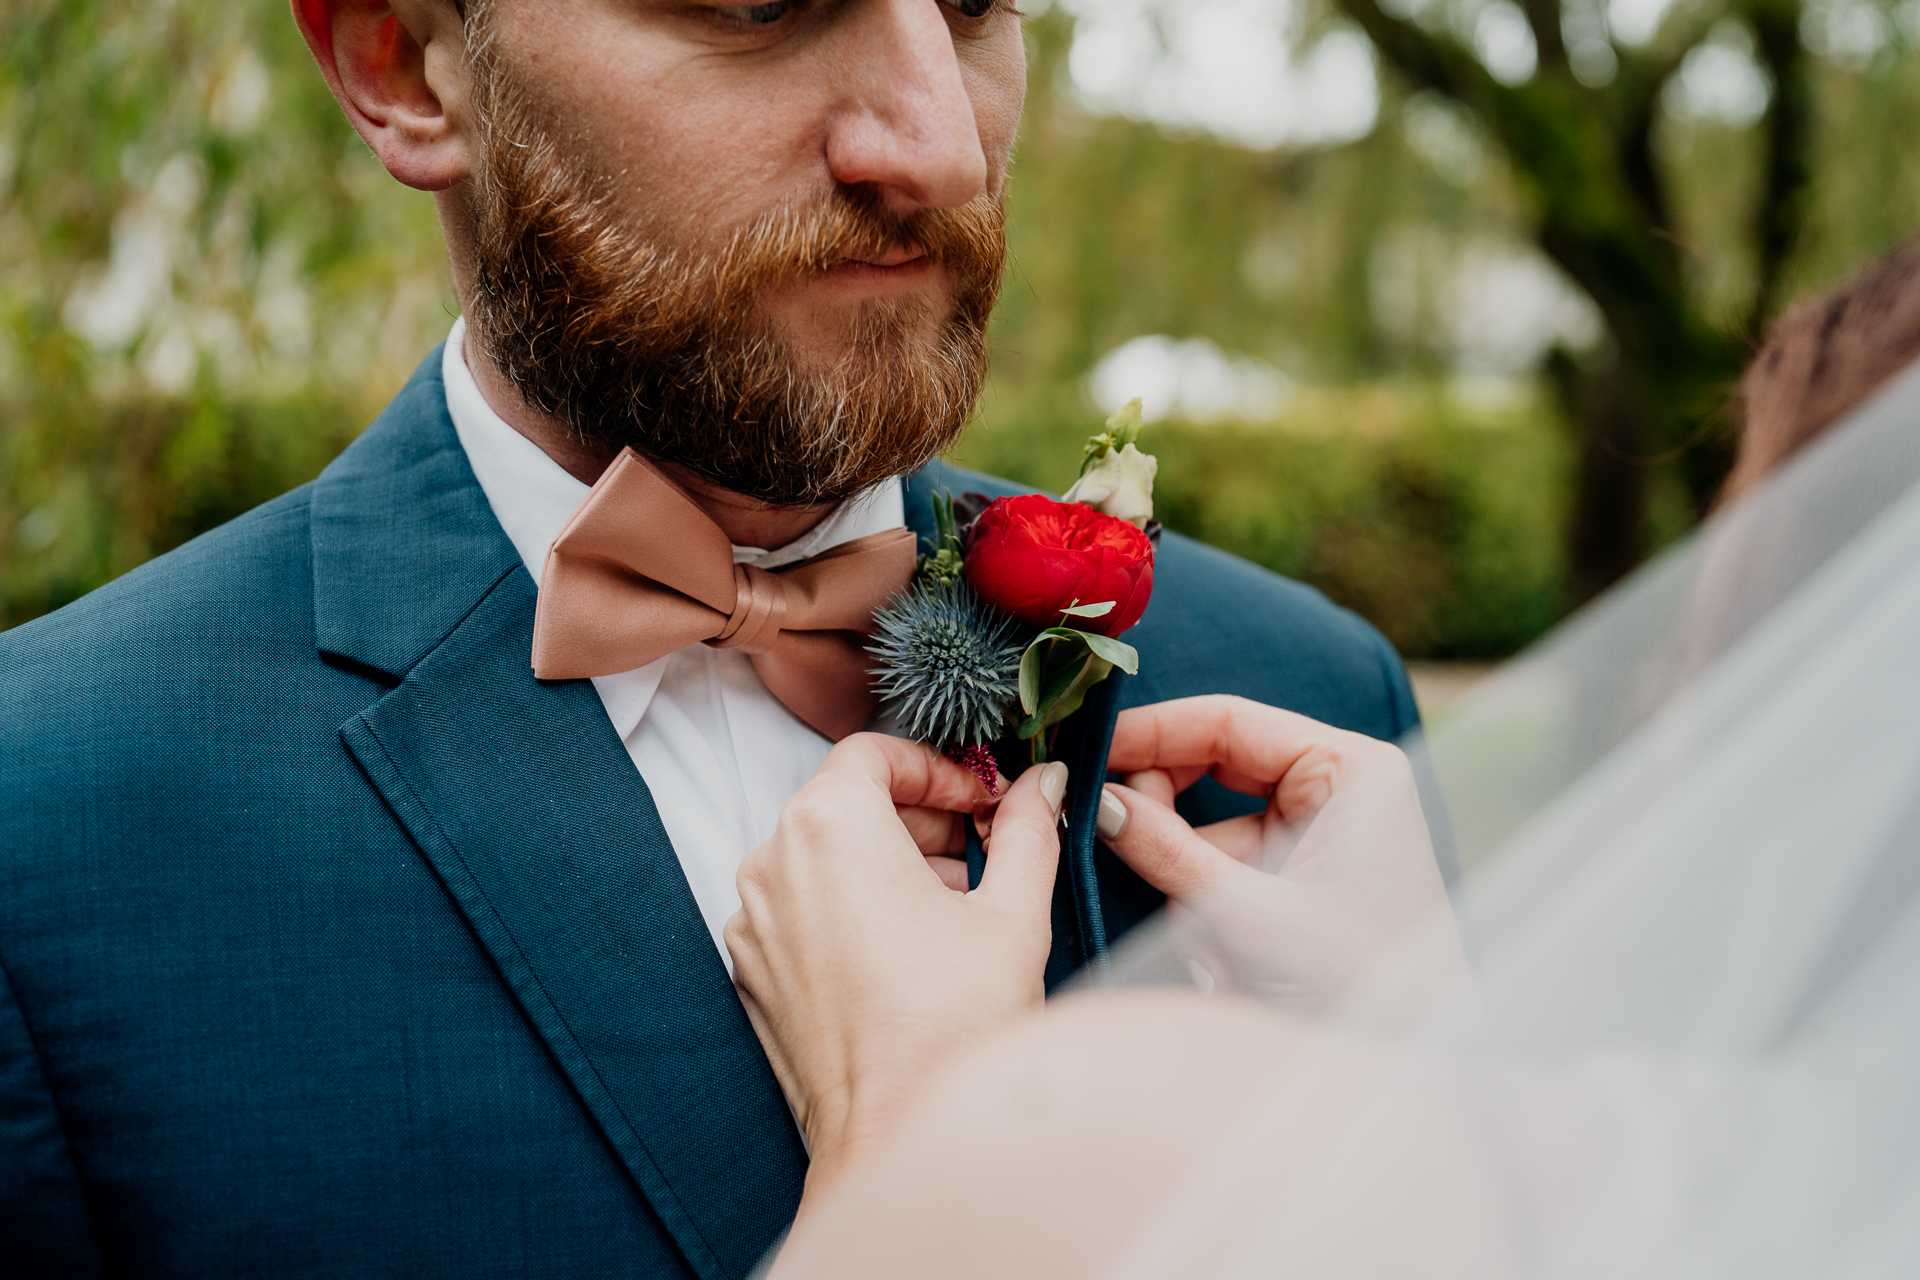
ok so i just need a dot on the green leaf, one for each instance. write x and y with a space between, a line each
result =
1091 672
1047 669
1100 610
1061 675
1060 678
1118 652
1058 684
1030 680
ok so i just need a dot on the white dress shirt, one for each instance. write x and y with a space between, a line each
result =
719 753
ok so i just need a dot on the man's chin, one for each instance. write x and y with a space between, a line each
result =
826 329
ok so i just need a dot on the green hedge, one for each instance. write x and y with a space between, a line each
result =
1438 522
89 489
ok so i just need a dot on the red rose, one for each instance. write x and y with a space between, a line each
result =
1033 557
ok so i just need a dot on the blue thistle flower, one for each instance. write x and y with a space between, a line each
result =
949 664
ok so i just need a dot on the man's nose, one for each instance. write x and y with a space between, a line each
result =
904 123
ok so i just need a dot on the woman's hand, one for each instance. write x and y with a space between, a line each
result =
860 968
1296 902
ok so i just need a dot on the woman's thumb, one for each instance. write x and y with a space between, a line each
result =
1026 838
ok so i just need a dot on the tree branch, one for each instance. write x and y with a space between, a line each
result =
1588 157
1431 61
1685 26
1634 100
1549 42
1644 73
1781 208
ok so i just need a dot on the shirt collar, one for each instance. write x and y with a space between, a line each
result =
532 496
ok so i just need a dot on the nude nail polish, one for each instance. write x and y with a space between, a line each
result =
1113 815
1053 785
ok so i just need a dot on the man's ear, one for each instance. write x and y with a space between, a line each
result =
398 69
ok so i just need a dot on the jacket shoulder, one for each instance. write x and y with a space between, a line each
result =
229 586
1219 624
206 625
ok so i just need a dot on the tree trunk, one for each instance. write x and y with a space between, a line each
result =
1606 533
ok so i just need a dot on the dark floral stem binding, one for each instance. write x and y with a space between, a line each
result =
1012 623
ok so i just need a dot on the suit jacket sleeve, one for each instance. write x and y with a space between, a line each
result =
45 1229
1401 708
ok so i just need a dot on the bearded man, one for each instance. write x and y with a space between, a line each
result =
355 922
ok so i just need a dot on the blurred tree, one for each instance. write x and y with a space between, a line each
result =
207 284
1580 126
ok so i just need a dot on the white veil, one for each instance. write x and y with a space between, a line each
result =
1690 827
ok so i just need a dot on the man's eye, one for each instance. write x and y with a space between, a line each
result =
759 15
973 8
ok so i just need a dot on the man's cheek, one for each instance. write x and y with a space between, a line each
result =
997 86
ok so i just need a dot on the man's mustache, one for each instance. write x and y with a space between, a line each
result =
799 240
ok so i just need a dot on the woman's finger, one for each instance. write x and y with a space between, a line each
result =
934 831
1247 745
1167 853
952 872
1158 783
1026 841
911 773
1238 838
1242 838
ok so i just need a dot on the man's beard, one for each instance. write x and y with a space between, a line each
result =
633 339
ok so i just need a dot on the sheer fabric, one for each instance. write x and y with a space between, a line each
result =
1690 822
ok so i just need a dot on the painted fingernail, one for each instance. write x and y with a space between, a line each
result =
1053 785
1113 815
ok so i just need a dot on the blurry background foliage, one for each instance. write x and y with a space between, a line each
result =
1434 302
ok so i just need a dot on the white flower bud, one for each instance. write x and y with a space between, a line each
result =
1120 484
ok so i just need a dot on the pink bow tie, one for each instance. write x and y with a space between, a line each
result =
640 571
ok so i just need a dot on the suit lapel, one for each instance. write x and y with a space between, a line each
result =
526 804
404 543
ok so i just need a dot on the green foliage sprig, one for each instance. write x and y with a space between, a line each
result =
1061 665
1123 429
943 568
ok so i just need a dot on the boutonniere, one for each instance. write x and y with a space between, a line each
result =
1016 611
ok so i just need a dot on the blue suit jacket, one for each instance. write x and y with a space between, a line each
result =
333 944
